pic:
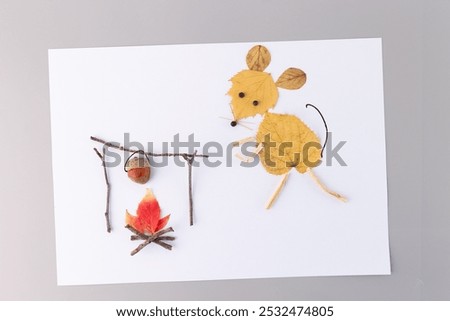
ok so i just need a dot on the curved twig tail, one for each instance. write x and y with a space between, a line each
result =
326 128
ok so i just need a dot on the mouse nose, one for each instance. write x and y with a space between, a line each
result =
233 123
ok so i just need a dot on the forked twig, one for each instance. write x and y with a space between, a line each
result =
190 159
108 188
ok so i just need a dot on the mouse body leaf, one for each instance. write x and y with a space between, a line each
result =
287 143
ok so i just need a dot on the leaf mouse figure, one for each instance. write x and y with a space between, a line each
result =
283 141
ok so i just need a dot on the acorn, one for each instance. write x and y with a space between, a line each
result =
138 169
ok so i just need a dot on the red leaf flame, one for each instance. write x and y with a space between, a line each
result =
148 219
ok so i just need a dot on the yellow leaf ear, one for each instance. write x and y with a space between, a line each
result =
258 58
292 78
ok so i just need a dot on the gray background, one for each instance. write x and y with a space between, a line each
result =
416 72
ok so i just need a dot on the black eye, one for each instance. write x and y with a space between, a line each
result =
233 123
241 95
255 103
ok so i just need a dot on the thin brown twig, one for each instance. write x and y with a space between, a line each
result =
119 147
190 159
140 238
163 244
191 205
108 188
133 230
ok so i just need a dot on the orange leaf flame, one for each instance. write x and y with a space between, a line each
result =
147 220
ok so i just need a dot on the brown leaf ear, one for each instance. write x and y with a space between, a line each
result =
258 58
292 78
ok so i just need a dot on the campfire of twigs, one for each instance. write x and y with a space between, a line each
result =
158 238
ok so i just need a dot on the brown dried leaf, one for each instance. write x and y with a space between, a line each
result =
258 58
292 78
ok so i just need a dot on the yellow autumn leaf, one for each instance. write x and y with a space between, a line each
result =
258 58
291 78
252 92
287 142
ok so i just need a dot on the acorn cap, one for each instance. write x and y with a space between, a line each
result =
137 162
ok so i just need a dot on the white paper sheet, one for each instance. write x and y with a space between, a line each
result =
155 92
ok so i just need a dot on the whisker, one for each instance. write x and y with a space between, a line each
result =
232 111
240 121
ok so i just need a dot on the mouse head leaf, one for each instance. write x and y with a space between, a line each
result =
252 92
